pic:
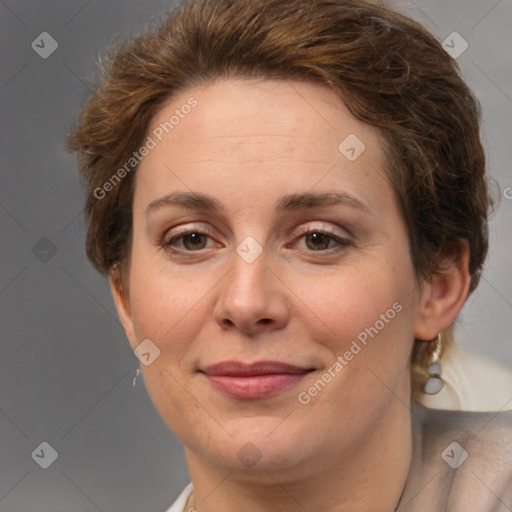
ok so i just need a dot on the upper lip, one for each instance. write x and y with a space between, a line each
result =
238 369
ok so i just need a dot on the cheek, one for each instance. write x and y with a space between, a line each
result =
166 305
348 302
365 316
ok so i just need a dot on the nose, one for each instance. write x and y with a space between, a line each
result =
252 299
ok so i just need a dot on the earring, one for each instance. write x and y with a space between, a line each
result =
435 382
135 378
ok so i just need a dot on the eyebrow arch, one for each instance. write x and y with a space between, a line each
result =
190 200
314 200
306 200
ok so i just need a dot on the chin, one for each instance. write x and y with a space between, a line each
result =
258 446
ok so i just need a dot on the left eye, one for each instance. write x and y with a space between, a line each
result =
316 240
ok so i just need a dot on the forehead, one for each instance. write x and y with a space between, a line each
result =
289 134
269 108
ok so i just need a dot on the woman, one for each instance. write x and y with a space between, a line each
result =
290 201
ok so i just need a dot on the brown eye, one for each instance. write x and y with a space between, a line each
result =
318 241
187 241
194 241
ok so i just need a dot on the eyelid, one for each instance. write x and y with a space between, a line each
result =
180 230
323 229
205 230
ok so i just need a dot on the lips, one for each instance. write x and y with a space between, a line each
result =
236 369
256 380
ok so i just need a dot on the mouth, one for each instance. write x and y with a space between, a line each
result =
256 380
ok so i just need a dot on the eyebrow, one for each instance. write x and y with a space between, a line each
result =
288 203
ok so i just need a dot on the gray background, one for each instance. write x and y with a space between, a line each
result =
66 369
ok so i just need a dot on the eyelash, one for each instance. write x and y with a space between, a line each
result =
342 242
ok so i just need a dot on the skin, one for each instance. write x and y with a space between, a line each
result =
248 143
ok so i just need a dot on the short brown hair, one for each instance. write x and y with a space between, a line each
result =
389 70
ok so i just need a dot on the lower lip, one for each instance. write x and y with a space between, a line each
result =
261 386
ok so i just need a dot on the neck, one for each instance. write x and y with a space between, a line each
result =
370 476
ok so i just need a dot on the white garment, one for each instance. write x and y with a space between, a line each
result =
179 504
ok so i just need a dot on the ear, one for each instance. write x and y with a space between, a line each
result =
443 296
122 305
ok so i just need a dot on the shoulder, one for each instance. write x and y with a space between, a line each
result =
489 427
461 461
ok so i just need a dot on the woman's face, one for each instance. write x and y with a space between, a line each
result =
296 254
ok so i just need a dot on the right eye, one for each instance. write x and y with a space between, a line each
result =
190 241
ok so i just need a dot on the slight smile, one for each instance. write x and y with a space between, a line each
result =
256 380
